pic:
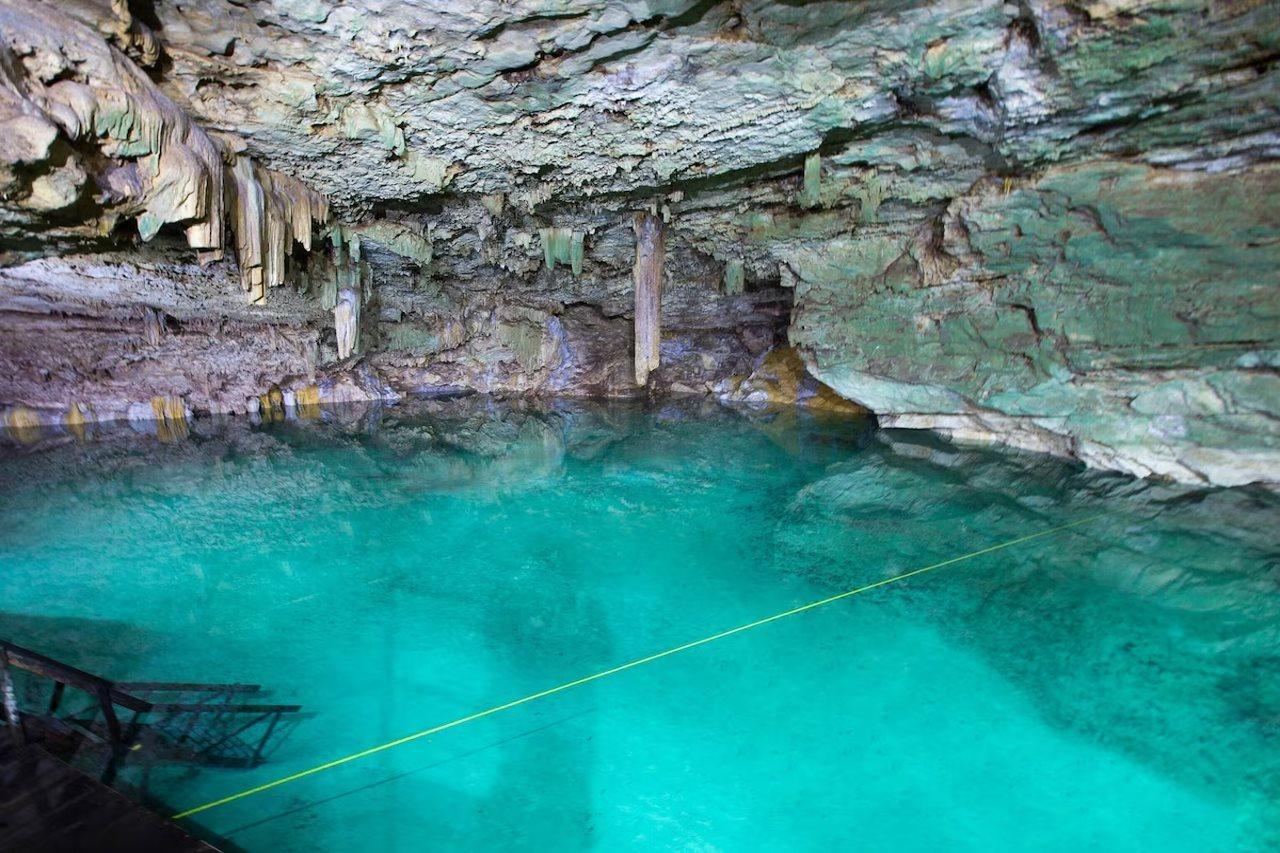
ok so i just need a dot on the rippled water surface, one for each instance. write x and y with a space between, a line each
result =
1112 687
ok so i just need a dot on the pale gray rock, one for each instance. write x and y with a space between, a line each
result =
1042 223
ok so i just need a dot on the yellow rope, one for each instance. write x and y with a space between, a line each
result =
373 750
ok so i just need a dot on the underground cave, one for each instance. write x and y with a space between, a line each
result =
639 424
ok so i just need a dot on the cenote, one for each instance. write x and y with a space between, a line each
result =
709 425
1115 685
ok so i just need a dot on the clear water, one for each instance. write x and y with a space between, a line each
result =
1116 687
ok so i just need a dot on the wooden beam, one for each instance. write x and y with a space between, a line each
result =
186 686
78 678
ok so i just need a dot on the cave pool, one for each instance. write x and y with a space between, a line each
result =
1115 686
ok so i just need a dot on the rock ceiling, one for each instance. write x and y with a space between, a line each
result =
1011 220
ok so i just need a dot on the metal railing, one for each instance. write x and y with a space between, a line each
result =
188 722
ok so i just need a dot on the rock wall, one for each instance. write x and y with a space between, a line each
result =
1117 312
1043 222
99 337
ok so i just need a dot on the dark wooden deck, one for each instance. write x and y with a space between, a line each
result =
47 805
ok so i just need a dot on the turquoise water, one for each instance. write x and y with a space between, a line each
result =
1114 687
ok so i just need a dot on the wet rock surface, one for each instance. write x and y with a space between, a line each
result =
1119 313
1044 223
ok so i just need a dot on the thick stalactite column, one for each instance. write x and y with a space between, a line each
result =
346 321
650 253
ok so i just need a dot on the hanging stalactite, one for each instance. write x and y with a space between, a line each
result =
811 191
734 276
159 164
246 222
650 253
564 245
346 320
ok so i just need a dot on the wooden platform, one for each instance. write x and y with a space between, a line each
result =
47 805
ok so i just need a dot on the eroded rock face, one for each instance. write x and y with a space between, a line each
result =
1044 223
1118 312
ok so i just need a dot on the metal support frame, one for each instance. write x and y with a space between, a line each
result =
211 720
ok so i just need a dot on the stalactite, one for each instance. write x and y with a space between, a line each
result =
208 232
134 38
734 276
870 195
366 281
346 320
311 208
809 195
563 245
555 245
185 168
248 224
279 233
575 252
329 290
271 211
340 272
650 254
95 96
152 325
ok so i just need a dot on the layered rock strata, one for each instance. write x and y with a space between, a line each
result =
1043 223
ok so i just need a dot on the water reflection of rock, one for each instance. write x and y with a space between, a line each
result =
422 446
797 429
1153 631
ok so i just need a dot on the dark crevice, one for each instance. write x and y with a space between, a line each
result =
691 16
533 20
1031 317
